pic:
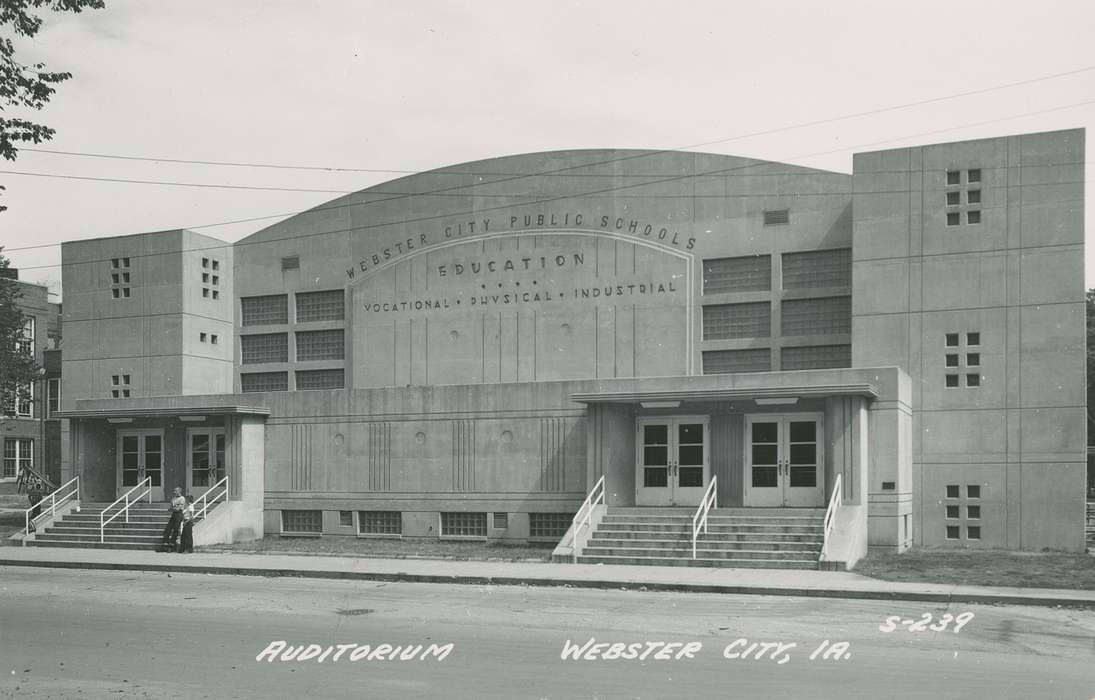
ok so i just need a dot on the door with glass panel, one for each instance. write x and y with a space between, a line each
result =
140 455
672 463
204 460
784 455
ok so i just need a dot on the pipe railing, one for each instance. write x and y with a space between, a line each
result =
584 516
147 481
71 490
835 501
709 501
208 501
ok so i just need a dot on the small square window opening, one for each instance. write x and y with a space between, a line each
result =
201 337
952 360
973 512
125 262
216 279
205 291
213 339
973 380
114 278
954 177
952 380
973 491
114 380
114 393
216 294
501 521
125 393
952 340
973 532
125 292
125 379
205 262
954 218
953 491
973 175
973 339
973 217
953 512
216 265
125 277
973 197
205 278
345 518
954 198
953 532
114 263
973 359
116 293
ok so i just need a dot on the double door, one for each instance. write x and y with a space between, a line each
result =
673 464
783 459
140 455
204 459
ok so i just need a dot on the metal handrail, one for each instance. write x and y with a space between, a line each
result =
208 502
709 501
125 496
835 501
54 501
592 500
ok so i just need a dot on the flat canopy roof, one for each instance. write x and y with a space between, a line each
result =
730 394
162 411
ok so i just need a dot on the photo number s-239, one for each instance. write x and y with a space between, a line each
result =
893 622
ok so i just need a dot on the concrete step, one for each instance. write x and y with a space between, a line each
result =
110 530
92 545
722 563
690 511
131 539
711 528
686 553
686 536
682 545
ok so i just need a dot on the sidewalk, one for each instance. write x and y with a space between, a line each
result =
651 578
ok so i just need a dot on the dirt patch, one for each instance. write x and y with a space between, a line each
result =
984 568
390 549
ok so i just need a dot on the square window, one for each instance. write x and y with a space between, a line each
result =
953 512
954 198
114 263
114 380
973 197
125 379
213 339
125 277
973 359
125 262
216 294
345 518
973 532
116 293
973 175
953 532
125 393
952 340
125 292
216 280
953 491
973 512
114 393
205 278
973 217
201 337
205 291
972 339
952 360
954 218
973 491
954 177
952 380
216 265
501 521
205 262
114 278
973 380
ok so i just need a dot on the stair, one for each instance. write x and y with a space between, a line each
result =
1089 528
143 531
755 538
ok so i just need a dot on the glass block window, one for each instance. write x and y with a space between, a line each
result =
817 268
304 521
549 525
752 273
345 518
826 316
776 217
267 347
321 306
727 361
379 522
320 345
321 379
120 279
816 357
463 524
257 311
726 321
264 381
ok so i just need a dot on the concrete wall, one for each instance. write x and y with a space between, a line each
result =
1016 279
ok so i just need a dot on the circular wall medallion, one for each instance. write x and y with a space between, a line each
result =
420 437
507 436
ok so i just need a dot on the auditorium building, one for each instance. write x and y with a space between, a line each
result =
466 352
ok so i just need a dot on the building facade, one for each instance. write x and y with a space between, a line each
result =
465 352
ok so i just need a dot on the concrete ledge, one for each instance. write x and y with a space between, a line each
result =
650 578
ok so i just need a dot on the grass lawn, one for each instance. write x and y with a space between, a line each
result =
390 548
10 523
984 568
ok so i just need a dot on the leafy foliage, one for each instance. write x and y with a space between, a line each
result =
17 366
27 86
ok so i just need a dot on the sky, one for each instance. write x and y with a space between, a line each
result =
355 93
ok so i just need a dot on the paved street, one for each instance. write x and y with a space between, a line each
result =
94 634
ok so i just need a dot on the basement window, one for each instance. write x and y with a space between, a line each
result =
302 522
379 522
463 524
549 525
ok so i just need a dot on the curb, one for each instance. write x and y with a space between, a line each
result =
925 597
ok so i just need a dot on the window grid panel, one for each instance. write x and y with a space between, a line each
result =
380 522
257 311
321 345
727 361
752 273
321 379
321 306
827 316
817 268
267 347
549 525
310 521
729 321
464 524
816 357
264 381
